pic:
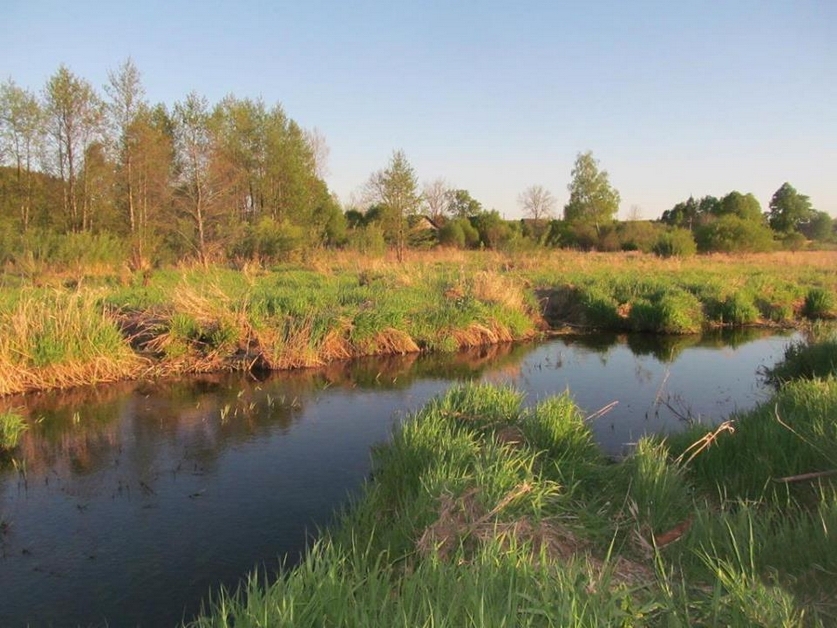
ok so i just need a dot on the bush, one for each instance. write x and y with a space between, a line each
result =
368 240
638 235
675 243
730 234
459 233
673 313
601 309
735 309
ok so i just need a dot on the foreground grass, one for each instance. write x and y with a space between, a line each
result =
59 331
484 513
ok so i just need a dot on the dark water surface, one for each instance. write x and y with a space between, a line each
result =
126 505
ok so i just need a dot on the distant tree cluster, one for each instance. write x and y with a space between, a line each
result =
236 178
108 174
736 222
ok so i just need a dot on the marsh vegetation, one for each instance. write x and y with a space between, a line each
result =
484 512
61 330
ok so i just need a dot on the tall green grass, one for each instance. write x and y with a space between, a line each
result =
812 358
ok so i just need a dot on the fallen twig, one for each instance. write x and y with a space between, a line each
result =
602 411
802 477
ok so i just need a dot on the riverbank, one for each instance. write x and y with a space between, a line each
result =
484 513
102 325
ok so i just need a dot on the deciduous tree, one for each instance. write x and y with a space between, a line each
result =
200 175
126 101
592 199
21 135
537 203
462 205
436 197
789 209
75 117
396 189
745 206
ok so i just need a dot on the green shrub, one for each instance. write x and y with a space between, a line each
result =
675 243
731 234
452 234
368 240
735 309
673 313
271 241
819 303
601 309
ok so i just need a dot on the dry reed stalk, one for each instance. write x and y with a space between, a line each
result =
290 348
335 345
704 442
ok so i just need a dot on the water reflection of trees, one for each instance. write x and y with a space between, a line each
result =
159 425
189 421
667 348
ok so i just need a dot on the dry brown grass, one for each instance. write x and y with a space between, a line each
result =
493 287
462 521
15 378
477 334
389 341
61 339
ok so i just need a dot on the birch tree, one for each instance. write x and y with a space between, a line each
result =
396 189
75 118
21 135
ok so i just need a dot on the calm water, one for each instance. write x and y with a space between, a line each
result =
129 504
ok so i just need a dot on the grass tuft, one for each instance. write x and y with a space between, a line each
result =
12 426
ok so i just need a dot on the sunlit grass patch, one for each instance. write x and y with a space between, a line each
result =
56 339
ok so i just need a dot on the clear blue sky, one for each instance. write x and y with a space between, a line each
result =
673 97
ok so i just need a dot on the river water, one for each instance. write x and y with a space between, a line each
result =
127 505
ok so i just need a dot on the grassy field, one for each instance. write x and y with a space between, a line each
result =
104 324
483 513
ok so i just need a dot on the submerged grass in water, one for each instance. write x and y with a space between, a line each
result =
12 425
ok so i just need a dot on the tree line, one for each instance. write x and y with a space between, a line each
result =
192 180
89 169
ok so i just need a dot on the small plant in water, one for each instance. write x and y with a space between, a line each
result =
12 426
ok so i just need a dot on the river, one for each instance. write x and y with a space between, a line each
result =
127 505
